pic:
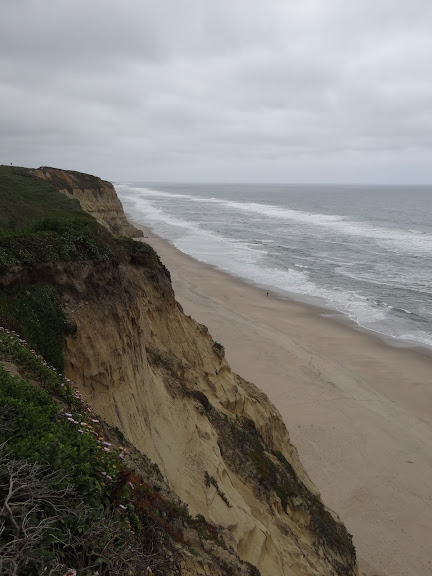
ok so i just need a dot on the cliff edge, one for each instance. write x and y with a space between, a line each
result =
158 377
97 197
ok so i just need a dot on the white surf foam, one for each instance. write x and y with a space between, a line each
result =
410 241
247 261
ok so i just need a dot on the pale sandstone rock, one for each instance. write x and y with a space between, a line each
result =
136 357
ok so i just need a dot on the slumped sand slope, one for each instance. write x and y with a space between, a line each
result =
358 411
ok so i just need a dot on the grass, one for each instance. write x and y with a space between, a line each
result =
25 198
38 224
36 313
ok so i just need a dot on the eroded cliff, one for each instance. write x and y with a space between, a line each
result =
96 196
159 377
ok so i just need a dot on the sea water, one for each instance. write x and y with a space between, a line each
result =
363 251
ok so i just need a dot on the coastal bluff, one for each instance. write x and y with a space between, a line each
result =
158 377
96 196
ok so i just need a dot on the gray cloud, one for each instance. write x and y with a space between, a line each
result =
230 90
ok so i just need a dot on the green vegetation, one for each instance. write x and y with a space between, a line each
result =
56 476
39 225
86 180
54 241
138 251
219 349
33 428
65 499
281 479
210 480
35 312
25 198
33 367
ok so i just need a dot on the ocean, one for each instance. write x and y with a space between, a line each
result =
361 251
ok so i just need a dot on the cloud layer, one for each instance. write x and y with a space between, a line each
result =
239 90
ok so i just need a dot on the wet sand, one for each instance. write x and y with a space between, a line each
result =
358 411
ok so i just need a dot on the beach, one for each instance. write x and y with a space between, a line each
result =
358 410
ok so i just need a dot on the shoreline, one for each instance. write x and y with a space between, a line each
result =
321 310
358 409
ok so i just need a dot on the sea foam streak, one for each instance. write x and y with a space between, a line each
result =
409 240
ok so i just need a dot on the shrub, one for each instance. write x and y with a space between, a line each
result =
54 240
35 429
36 313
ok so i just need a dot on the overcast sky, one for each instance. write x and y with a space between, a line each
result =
219 90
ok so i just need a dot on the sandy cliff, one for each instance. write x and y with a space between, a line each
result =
96 196
158 376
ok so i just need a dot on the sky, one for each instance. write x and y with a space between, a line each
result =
219 91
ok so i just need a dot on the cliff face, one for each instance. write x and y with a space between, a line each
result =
96 196
159 377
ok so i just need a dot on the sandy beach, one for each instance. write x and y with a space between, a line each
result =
358 411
